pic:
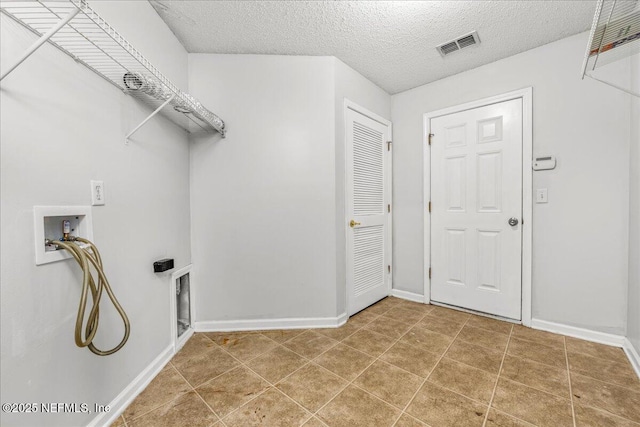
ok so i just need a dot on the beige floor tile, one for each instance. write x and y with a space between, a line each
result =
620 373
404 315
276 363
537 336
389 383
531 405
167 386
186 411
592 417
490 324
204 366
227 338
443 408
372 343
500 419
537 352
617 400
231 390
470 382
409 421
484 338
362 318
380 308
340 333
416 306
537 375
614 354
196 345
356 408
283 335
427 340
312 386
441 325
314 422
448 313
119 422
474 355
249 346
344 361
271 408
388 327
410 358
310 344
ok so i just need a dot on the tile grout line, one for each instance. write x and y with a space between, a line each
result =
566 355
368 366
272 385
430 372
163 403
196 391
495 387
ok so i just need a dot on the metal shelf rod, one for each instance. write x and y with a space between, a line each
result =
156 111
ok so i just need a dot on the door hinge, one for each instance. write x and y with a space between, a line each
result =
429 206
389 268
389 208
430 136
429 272
388 145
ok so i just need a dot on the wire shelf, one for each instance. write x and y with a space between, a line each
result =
615 36
90 40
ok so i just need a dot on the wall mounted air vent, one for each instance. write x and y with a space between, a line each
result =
461 42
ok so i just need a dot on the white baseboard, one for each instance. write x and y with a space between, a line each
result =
270 324
135 387
584 334
410 296
632 354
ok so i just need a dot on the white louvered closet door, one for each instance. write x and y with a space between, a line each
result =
367 206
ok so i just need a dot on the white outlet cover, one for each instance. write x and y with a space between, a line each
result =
97 193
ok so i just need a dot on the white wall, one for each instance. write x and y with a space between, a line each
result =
580 238
263 199
61 126
633 322
351 85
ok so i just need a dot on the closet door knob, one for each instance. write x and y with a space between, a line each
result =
513 222
353 223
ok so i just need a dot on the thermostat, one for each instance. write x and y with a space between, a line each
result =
544 163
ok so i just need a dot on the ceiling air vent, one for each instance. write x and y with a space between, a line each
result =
462 42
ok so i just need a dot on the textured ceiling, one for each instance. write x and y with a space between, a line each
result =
390 42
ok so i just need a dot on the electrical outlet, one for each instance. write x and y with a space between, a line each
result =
541 195
97 193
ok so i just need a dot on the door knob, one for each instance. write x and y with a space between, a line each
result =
513 221
353 223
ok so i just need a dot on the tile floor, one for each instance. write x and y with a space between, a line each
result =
397 363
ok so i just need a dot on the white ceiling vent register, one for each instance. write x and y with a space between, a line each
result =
77 30
461 42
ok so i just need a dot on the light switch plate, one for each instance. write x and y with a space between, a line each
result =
541 195
97 193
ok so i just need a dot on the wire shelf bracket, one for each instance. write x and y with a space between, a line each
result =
614 37
78 31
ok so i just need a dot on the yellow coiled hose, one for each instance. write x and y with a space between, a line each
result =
85 256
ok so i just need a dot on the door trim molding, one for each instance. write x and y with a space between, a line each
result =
526 94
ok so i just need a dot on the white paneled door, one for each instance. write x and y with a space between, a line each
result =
368 198
476 209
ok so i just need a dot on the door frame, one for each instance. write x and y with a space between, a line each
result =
350 105
526 94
